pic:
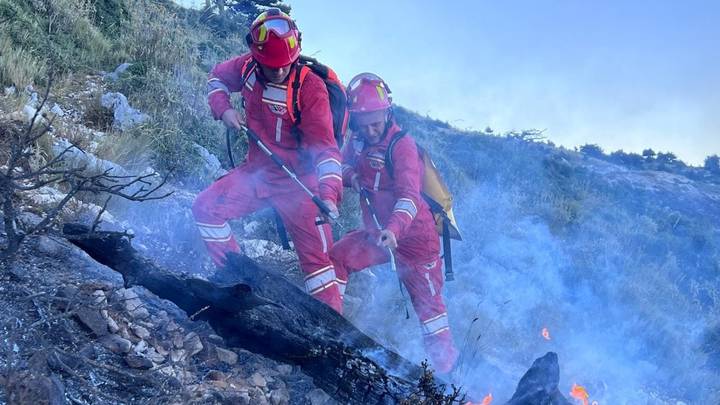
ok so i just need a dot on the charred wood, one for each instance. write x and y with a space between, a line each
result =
263 312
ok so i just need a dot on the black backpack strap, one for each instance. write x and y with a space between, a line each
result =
296 90
282 232
388 153
447 256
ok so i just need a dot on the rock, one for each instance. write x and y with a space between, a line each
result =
88 351
139 331
10 91
172 326
212 167
317 397
115 75
154 356
279 397
28 219
226 356
116 344
57 110
125 117
139 362
27 388
93 320
257 397
215 375
112 325
49 246
132 303
284 369
241 398
178 341
140 347
258 380
178 355
218 340
192 344
100 297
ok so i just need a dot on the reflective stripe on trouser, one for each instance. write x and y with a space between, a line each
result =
229 197
234 196
313 241
423 281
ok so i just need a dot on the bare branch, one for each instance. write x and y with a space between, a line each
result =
98 219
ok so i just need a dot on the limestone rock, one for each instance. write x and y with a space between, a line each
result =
116 344
226 356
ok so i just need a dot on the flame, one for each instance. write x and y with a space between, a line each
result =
545 333
486 401
580 393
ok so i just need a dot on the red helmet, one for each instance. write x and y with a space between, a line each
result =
274 39
368 98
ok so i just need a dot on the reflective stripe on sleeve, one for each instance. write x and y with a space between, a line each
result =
215 85
407 206
329 168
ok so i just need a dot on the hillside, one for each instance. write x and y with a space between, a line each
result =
618 258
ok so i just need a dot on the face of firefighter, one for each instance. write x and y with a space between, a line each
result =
372 132
276 75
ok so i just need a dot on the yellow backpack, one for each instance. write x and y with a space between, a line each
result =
437 195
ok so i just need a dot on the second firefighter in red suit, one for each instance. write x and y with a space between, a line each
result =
408 226
311 153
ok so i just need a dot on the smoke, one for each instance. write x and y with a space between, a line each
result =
620 294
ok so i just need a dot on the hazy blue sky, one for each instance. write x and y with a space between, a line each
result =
622 74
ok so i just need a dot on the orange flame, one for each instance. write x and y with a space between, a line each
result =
580 393
545 333
486 401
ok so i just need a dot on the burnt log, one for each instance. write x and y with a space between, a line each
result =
263 312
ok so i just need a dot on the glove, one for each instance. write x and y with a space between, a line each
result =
387 239
334 213
233 119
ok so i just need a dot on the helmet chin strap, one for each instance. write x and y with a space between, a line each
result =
388 123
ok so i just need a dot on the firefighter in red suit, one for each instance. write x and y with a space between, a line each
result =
308 148
408 227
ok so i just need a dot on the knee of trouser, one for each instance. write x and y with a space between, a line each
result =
201 205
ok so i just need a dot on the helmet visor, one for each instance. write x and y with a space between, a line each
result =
370 78
279 26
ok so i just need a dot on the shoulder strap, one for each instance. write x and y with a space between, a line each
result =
388 153
293 93
247 69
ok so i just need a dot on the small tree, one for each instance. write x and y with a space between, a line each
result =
18 175
628 159
712 164
648 154
666 158
592 151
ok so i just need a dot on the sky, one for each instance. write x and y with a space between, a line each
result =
623 75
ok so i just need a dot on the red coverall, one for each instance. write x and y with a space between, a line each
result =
259 183
401 209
